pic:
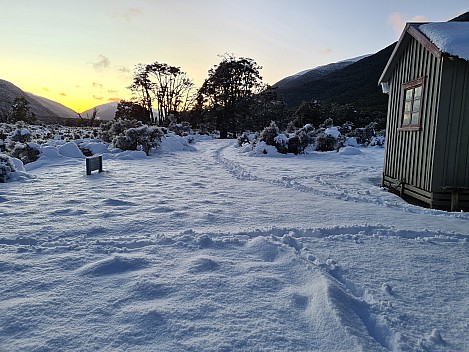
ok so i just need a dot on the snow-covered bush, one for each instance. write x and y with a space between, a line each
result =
6 167
246 138
269 133
325 142
181 129
301 139
115 128
281 143
26 152
21 135
365 134
143 136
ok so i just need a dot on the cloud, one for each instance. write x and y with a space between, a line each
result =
45 88
397 20
128 14
97 85
97 98
110 91
123 69
114 99
63 94
102 63
327 51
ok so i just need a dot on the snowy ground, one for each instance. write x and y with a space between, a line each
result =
216 250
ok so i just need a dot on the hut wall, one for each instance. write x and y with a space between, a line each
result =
409 154
451 167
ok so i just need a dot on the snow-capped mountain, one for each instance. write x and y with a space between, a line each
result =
105 111
316 73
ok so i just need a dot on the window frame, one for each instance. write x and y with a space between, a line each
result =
406 87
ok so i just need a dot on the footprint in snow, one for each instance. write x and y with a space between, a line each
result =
113 266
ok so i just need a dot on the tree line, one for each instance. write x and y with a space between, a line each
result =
232 99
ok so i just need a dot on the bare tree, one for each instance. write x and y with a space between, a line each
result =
165 85
142 86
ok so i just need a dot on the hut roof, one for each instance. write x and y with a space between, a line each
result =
440 38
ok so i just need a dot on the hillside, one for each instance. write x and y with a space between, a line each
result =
8 93
44 109
310 75
105 111
355 83
57 108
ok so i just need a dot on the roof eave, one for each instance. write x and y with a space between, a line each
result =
412 30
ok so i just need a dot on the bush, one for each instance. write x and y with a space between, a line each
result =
21 135
6 167
25 153
325 142
246 138
143 136
181 129
269 133
281 143
365 134
115 128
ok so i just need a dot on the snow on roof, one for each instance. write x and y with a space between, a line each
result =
450 37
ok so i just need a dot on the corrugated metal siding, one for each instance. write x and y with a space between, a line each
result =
409 154
456 114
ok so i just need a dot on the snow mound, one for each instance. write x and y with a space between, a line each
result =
349 150
19 166
71 150
175 143
95 147
50 152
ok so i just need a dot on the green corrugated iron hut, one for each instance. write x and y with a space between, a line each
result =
427 133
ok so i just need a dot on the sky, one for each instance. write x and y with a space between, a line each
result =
83 53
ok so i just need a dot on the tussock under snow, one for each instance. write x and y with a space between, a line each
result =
215 249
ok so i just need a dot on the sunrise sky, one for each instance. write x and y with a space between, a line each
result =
82 53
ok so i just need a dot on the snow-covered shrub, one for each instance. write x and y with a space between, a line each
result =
301 139
377 141
26 152
346 128
124 143
21 135
328 123
364 135
6 167
114 128
246 138
181 129
269 133
281 143
143 136
325 142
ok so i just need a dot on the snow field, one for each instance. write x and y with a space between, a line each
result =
214 249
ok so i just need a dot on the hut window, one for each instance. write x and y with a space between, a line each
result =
412 104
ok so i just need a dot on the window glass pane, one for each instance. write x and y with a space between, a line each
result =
418 92
408 105
415 118
408 94
406 119
416 106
